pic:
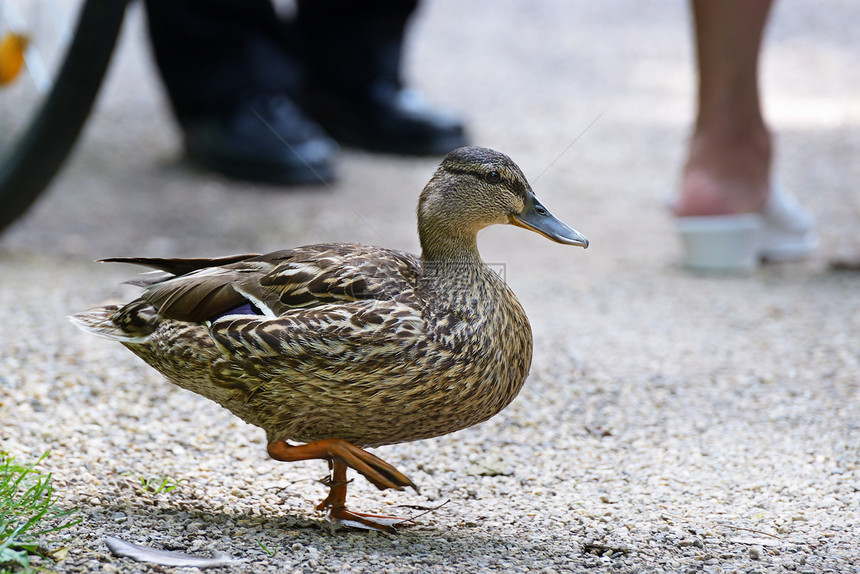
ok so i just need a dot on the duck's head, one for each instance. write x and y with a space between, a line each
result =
476 187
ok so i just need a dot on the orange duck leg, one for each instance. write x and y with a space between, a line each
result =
341 455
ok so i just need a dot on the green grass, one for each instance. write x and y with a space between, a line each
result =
271 552
28 512
158 485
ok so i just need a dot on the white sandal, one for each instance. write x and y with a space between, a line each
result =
783 231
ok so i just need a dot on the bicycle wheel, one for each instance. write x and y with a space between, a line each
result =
35 156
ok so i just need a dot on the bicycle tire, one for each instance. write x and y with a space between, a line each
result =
43 146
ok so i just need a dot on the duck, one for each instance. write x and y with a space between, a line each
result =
335 348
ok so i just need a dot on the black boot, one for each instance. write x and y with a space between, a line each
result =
262 138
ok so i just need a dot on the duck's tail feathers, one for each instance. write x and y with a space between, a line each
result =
133 323
178 267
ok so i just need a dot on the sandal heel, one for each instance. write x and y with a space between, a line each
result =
724 243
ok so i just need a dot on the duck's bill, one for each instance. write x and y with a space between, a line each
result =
537 218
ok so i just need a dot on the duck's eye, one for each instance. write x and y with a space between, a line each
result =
494 177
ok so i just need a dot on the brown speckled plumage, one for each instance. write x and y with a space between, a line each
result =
343 341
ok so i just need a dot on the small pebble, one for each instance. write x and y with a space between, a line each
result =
754 552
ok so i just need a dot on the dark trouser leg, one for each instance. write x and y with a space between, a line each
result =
210 52
231 71
347 45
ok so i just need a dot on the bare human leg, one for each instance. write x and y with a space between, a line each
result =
728 167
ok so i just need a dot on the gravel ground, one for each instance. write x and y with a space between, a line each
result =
671 422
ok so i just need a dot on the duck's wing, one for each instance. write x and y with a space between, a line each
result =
198 290
320 351
191 289
345 332
332 273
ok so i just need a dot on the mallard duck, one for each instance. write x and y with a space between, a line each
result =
343 346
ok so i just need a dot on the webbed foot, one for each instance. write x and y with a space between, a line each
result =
341 455
340 515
